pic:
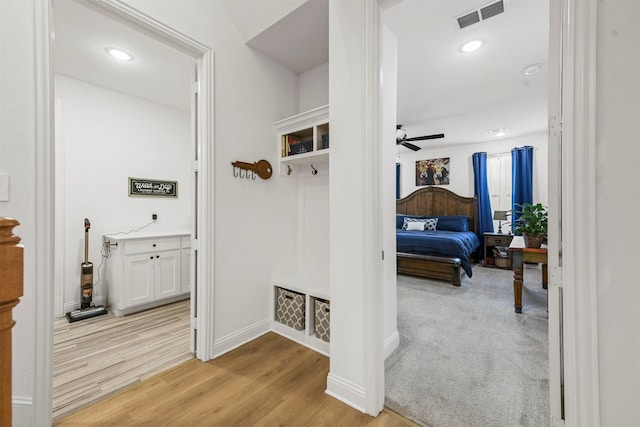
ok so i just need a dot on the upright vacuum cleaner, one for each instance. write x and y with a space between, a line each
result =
86 310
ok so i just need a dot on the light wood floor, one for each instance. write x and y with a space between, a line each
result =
94 358
270 381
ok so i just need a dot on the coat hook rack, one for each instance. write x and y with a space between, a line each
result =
313 170
261 168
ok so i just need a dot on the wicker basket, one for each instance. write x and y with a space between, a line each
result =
503 262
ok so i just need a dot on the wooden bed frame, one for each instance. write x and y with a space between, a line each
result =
435 201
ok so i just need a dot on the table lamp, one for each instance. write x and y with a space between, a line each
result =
500 216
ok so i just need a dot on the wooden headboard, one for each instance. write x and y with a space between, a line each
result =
437 201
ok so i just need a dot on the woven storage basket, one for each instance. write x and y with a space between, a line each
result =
290 308
322 319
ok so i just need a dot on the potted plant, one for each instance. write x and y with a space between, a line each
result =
531 223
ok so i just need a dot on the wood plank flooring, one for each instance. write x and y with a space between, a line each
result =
97 357
270 381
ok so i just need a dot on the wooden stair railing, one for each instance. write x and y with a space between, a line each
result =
11 286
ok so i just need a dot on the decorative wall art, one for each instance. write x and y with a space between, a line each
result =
432 171
152 187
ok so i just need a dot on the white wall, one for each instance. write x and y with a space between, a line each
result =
252 217
105 137
618 203
461 164
313 88
18 159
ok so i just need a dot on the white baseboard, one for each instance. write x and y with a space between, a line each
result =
243 336
22 412
391 344
346 392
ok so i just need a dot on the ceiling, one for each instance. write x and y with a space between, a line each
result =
464 95
157 73
440 89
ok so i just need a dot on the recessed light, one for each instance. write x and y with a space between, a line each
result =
498 132
472 46
531 69
119 54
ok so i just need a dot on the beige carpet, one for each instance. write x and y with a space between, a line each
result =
94 358
465 357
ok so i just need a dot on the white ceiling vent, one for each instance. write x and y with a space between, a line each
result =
483 13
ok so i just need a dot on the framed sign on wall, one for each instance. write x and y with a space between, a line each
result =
152 187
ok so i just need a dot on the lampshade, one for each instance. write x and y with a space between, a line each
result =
500 215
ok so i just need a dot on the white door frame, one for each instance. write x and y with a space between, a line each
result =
572 276
45 210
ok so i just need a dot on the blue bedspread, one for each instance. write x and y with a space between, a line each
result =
459 244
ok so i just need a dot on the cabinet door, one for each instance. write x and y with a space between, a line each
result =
186 271
168 280
138 286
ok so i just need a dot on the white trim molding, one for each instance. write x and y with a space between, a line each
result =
580 316
243 336
44 245
45 210
22 411
391 344
346 392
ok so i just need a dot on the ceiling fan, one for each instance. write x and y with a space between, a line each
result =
401 138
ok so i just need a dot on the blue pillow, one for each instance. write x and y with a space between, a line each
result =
453 223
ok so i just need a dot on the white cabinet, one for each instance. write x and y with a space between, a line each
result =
145 272
304 144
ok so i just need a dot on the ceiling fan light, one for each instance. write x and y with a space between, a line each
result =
401 134
472 45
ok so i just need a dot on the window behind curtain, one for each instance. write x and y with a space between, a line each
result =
499 181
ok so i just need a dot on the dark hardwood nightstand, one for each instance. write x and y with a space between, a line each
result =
496 250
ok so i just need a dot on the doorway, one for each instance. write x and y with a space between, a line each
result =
439 121
197 180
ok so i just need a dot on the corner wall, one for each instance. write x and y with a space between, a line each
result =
103 138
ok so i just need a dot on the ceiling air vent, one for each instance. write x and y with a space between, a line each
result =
468 19
483 13
492 9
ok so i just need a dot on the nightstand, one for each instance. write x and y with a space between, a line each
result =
496 250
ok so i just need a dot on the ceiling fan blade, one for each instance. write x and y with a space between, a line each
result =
422 138
410 146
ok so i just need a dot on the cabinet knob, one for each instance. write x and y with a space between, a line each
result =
157 256
154 245
151 257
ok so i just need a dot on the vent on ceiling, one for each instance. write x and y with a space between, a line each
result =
483 13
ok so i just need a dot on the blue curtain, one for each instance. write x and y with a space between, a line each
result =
481 189
521 178
397 180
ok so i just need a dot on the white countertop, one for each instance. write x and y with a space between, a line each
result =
146 234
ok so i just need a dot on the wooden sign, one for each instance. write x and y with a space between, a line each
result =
152 187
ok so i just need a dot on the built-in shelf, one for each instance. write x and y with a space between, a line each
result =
312 287
303 141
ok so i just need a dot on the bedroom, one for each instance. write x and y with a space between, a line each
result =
468 96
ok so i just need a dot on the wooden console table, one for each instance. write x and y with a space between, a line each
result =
519 255
11 286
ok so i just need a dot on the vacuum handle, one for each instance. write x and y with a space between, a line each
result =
87 226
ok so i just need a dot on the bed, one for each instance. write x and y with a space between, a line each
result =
446 252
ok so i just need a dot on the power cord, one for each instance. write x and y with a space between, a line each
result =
106 245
